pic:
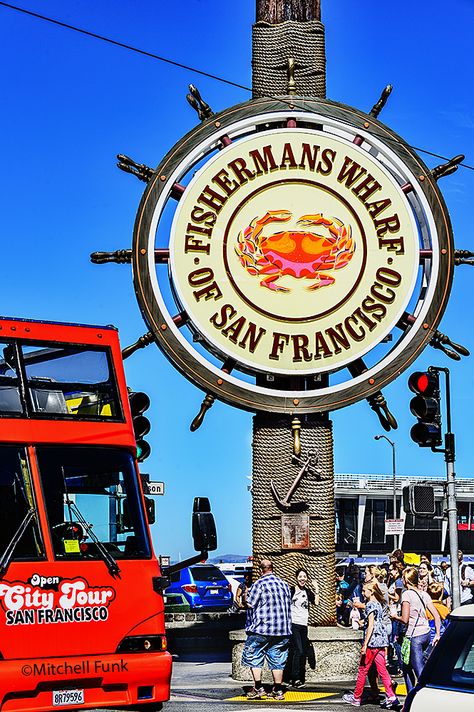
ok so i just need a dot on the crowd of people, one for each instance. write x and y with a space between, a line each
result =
402 610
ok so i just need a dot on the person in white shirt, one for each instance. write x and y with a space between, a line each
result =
466 581
301 598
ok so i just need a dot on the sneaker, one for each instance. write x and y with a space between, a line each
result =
256 693
278 694
390 703
350 699
298 683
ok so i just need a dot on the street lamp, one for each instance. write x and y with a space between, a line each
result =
394 474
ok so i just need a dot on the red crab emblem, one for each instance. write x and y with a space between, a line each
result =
303 255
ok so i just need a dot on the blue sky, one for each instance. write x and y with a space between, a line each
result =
71 103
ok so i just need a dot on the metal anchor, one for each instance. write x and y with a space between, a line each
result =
309 465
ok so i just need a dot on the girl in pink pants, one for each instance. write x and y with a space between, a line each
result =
373 649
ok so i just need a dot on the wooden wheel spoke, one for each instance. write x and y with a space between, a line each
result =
357 367
180 319
177 190
426 254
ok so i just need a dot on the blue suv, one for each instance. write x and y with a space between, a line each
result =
204 587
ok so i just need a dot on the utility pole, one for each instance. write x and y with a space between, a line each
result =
288 55
452 511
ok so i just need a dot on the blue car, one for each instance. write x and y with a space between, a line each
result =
204 587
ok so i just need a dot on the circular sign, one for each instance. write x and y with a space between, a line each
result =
293 251
309 251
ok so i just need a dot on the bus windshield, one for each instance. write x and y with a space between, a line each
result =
19 538
93 503
50 381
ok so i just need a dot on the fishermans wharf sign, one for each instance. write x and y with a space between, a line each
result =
292 251
302 238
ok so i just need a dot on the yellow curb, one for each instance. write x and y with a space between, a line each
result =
289 697
401 690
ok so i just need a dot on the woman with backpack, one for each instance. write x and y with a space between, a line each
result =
415 604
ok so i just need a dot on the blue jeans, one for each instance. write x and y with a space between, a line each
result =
419 644
272 648
397 634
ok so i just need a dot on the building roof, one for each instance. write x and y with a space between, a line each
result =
370 483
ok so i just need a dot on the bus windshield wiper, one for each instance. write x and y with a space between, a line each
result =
104 552
9 551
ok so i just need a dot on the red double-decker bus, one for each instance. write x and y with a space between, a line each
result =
81 610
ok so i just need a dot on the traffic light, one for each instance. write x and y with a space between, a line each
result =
139 403
419 500
426 407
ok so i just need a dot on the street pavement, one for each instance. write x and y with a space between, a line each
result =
201 685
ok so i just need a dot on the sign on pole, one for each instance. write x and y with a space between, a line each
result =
394 527
154 488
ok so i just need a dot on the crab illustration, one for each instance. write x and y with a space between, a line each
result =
300 254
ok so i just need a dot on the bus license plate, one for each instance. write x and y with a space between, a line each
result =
68 697
214 590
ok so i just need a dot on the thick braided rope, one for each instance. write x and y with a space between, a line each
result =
272 460
272 45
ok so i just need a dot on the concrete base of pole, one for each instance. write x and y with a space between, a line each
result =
337 655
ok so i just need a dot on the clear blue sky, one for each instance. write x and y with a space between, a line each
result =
71 103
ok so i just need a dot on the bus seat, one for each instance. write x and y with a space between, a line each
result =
130 546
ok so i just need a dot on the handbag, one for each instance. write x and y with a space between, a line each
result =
405 650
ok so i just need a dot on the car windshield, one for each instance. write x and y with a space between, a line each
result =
453 664
207 573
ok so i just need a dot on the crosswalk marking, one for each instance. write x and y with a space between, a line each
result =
290 696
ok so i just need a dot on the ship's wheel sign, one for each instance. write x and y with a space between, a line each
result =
303 238
292 251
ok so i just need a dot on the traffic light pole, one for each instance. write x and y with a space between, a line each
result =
449 457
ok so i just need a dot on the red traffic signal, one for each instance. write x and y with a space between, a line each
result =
424 383
426 407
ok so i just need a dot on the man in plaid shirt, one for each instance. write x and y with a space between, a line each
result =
268 629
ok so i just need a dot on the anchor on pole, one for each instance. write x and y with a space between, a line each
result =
308 465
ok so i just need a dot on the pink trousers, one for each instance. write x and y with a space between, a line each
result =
377 656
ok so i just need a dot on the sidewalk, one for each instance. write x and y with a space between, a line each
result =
211 682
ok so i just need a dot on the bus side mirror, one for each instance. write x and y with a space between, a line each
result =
204 527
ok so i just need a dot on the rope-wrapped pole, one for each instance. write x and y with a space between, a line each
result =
288 29
292 30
